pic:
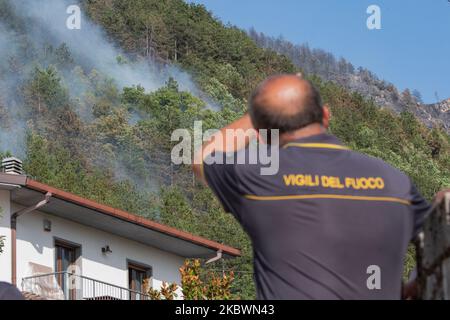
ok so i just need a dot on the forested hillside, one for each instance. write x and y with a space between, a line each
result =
93 112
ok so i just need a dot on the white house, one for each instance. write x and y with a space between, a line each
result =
61 246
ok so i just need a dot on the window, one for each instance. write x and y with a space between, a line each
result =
66 255
138 279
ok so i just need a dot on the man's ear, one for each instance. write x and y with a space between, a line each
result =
326 116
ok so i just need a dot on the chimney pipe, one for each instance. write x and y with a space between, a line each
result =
12 165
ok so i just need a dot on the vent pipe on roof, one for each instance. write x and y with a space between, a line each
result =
12 165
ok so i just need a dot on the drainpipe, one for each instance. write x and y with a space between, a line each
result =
214 259
14 217
217 257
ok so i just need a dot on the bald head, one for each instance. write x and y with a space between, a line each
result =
285 102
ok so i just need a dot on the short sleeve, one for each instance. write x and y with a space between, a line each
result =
222 179
420 208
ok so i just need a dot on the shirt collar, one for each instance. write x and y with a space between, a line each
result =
324 140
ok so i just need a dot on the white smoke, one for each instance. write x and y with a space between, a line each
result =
90 45
12 132
45 23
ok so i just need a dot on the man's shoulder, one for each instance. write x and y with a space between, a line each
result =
372 163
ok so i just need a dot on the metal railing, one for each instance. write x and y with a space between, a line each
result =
70 286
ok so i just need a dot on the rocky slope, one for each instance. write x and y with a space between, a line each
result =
319 62
438 113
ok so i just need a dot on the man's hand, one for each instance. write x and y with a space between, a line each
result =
223 142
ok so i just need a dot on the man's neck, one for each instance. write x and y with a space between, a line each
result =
308 131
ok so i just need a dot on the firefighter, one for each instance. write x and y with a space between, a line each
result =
330 223
9 292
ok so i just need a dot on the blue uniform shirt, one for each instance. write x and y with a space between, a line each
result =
331 224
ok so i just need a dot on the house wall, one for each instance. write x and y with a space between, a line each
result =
37 246
5 257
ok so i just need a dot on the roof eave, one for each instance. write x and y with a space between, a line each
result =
16 181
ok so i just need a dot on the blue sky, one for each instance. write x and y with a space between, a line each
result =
412 50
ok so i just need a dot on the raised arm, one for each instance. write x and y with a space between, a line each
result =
225 140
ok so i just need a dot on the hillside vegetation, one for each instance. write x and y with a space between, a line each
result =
77 129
